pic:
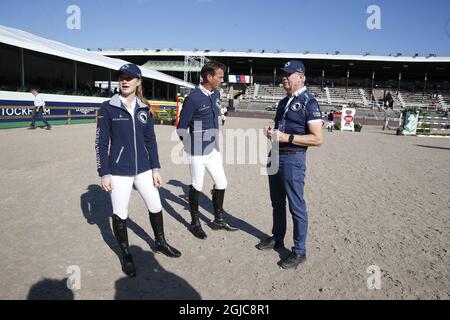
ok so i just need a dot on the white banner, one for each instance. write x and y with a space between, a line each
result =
347 119
411 121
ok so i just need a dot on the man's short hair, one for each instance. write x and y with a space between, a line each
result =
210 69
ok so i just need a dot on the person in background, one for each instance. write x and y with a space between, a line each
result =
223 114
386 121
330 123
38 113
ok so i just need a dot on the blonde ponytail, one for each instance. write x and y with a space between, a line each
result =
140 95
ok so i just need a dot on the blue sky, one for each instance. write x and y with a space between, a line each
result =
290 26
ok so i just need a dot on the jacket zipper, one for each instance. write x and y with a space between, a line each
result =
134 136
135 147
120 154
134 132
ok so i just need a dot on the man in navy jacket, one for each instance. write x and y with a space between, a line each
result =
298 125
198 128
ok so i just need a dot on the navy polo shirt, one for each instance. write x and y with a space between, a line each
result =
298 112
199 114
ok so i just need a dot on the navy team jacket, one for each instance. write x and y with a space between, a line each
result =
133 148
200 114
302 110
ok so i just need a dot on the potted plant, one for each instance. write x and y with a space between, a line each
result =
358 127
337 126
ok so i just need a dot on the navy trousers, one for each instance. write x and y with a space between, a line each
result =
289 182
39 115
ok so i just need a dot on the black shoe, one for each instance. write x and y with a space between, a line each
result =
32 127
156 220
128 266
48 127
269 244
292 261
163 247
222 225
196 229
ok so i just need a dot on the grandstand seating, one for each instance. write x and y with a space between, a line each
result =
194 66
359 97
442 102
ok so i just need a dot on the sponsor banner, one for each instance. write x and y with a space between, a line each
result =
347 119
234 78
16 111
411 121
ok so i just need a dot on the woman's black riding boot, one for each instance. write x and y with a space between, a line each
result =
156 220
120 232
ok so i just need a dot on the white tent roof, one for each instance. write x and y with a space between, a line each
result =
22 39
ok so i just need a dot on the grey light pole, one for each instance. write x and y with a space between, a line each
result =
274 75
323 78
346 84
373 80
424 86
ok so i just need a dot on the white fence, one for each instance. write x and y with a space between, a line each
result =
434 123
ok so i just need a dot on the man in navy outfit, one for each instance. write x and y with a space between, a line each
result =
298 125
200 114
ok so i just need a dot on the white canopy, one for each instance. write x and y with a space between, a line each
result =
22 39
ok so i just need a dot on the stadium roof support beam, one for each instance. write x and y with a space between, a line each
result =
274 75
424 86
373 81
153 89
323 77
22 70
346 84
251 71
109 80
75 76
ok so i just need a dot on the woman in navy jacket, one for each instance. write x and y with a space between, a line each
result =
127 155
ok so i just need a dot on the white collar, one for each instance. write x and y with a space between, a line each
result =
205 91
124 101
299 91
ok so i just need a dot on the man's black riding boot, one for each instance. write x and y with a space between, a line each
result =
195 226
219 222
156 220
121 234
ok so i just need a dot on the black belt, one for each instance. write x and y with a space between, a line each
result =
286 152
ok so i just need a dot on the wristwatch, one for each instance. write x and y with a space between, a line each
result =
291 138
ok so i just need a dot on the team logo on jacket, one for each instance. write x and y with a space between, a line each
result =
142 116
296 106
